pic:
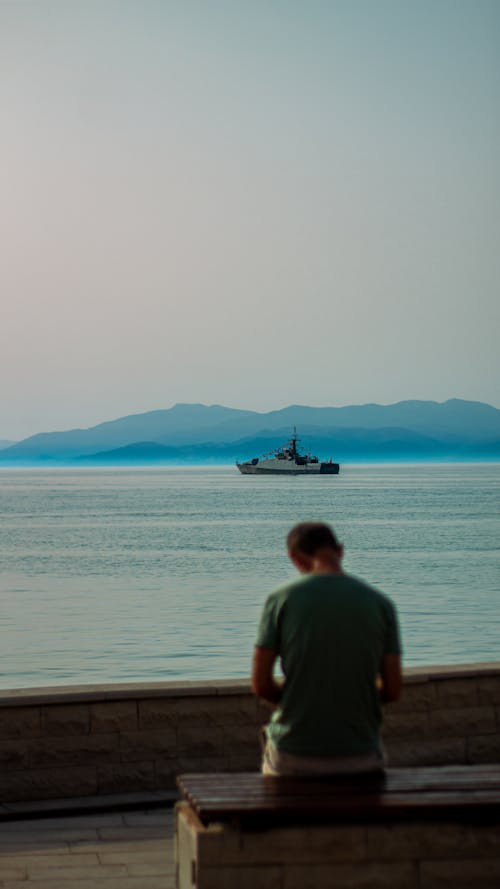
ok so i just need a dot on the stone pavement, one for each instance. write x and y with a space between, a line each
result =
108 850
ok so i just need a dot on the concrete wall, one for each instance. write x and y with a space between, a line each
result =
90 740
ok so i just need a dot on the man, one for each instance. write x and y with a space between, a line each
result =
338 641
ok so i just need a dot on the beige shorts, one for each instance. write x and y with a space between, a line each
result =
276 762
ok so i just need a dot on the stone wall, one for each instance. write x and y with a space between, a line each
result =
90 740
399 855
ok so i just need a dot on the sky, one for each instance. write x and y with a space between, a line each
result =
253 203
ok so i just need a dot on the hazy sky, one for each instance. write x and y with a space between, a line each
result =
249 203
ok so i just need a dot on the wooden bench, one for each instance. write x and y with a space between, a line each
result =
414 828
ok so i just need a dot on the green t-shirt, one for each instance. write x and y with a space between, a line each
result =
331 632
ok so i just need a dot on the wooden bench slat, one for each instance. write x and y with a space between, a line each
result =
408 776
330 788
435 806
254 784
348 802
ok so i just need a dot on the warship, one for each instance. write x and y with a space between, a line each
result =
288 460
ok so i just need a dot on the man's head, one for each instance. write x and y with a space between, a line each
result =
313 547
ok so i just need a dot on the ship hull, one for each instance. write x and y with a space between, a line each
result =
314 469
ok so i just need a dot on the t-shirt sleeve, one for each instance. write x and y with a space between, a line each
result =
392 633
268 635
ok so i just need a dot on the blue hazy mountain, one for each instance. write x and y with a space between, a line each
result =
352 442
198 433
183 422
344 445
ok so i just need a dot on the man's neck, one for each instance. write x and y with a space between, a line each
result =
326 566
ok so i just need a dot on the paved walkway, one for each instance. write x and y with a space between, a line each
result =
129 850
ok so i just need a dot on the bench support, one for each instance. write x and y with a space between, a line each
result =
409 855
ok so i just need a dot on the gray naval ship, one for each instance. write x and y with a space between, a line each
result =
287 460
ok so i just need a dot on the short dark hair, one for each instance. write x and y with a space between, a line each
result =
308 537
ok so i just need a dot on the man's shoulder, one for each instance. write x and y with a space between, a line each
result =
345 583
285 590
268 635
358 583
363 588
333 581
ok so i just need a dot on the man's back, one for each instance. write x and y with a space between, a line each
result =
331 632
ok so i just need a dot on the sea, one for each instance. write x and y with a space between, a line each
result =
160 573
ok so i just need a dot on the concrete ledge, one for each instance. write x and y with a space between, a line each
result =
451 671
60 694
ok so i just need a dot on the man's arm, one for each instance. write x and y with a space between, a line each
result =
263 682
392 678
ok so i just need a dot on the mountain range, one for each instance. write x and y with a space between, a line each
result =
196 433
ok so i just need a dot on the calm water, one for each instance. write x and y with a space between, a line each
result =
160 574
